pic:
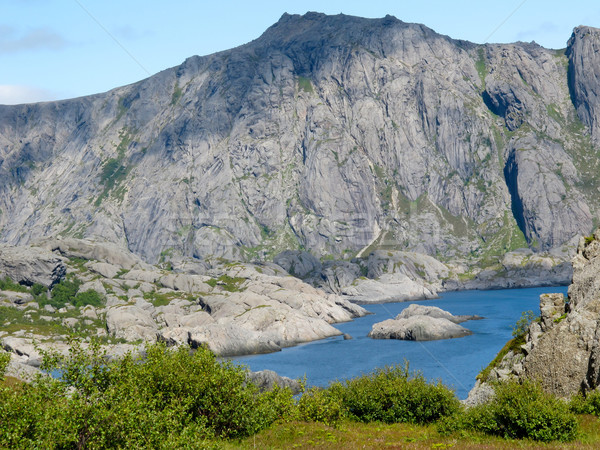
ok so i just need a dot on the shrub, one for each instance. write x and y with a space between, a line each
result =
64 292
519 411
38 289
522 326
393 395
4 361
588 404
89 297
321 405
136 402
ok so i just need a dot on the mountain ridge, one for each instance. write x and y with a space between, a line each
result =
348 135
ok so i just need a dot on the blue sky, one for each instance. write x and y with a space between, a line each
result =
52 49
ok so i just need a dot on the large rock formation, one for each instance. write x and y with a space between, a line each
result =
237 309
562 349
334 134
29 266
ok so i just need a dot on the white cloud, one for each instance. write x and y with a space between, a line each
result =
130 33
11 94
37 38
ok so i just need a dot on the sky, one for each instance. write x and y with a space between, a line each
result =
55 49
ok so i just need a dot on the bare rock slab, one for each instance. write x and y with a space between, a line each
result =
418 328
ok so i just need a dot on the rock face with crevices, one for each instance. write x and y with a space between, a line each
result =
562 349
337 135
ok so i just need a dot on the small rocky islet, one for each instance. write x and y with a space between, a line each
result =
422 323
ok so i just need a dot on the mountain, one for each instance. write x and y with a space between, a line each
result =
333 134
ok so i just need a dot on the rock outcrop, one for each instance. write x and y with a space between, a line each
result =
27 266
236 309
334 135
422 323
562 349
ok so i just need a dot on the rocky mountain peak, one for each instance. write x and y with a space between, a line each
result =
334 134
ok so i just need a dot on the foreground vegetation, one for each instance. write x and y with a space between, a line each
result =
178 399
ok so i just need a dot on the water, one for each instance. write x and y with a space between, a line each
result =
455 362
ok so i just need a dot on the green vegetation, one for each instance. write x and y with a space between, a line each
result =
519 411
4 360
389 395
177 93
586 404
174 399
305 85
561 318
228 283
8 285
177 399
480 66
521 328
519 333
115 170
38 322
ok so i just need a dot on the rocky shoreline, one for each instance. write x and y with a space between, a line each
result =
235 309
232 308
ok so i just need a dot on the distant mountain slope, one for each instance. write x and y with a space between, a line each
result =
335 134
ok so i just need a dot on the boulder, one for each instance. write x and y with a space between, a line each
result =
266 380
131 323
16 298
230 340
106 252
395 287
298 263
29 265
105 269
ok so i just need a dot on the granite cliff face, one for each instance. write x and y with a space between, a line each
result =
334 134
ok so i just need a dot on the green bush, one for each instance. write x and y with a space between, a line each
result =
522 326
321 405
393 395
64 292
168 398
89 297
588 404
38 289
9 285
4 360
519 411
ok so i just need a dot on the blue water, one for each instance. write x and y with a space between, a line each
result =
455 362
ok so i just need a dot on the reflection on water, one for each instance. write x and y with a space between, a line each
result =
455 362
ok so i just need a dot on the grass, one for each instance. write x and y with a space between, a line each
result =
8 285
513 345
114 171
480 66
305 85
228 283
354 435
177 93
12 320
